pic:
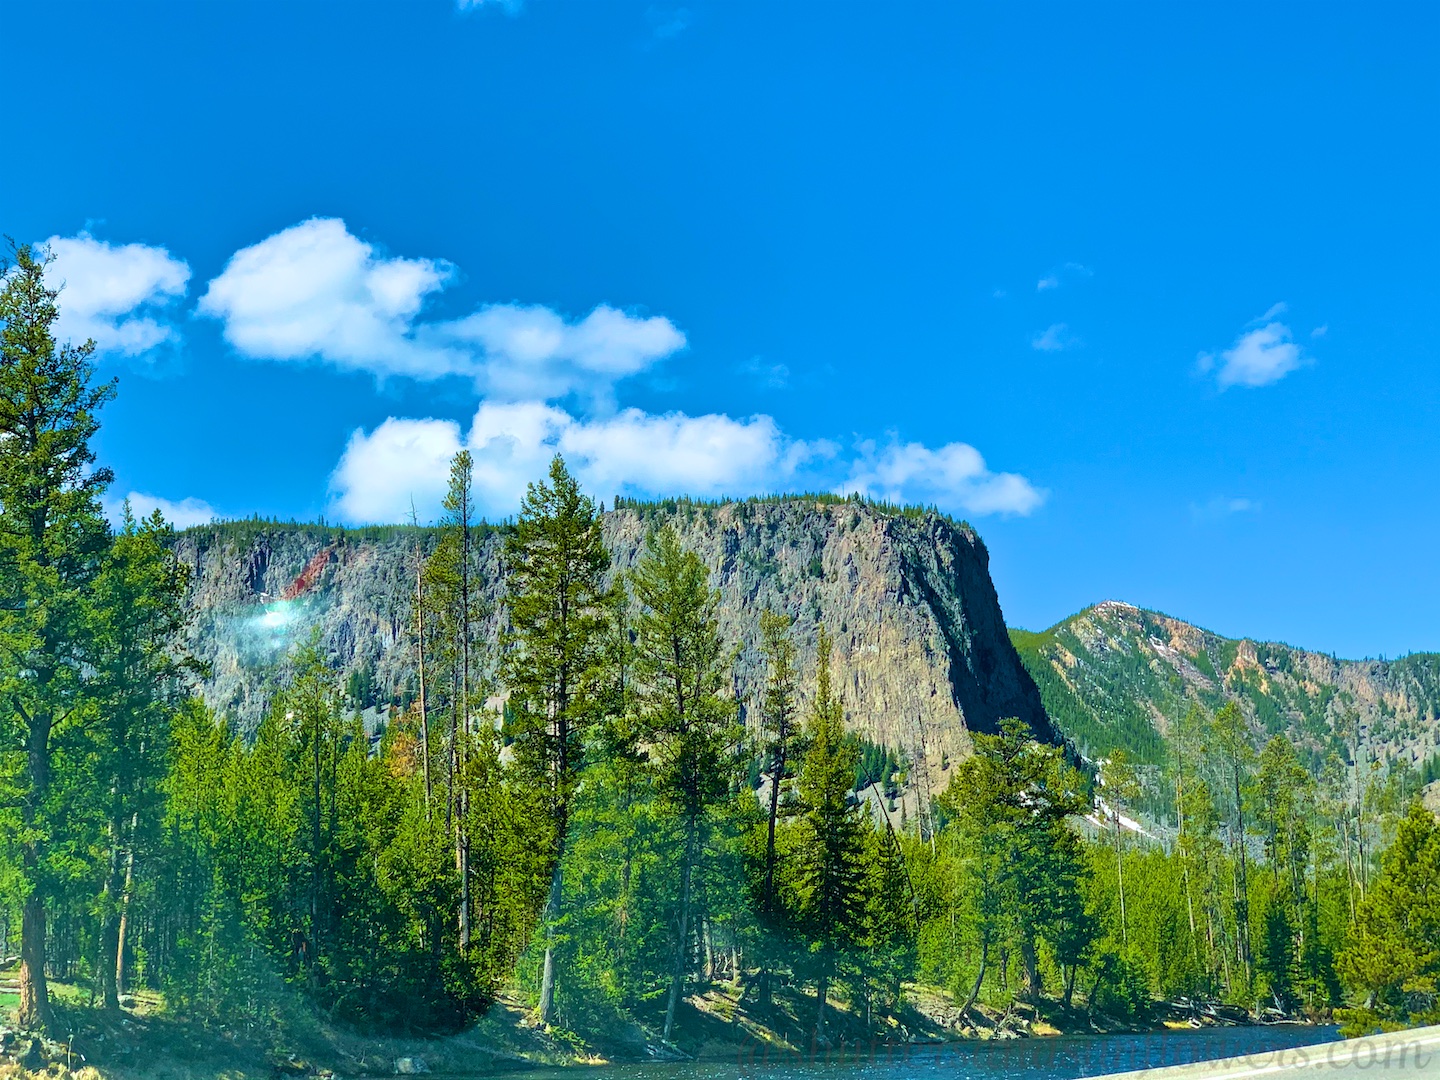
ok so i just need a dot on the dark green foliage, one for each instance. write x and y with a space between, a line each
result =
1108 714
1429 771
653 509
556 559
831 898
52 541
876 764
679 666
599 836
1393 957
1115 677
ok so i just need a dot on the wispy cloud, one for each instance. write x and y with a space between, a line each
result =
668 22
1070 271
118 295
1221 507
509 7
770 376
1055 338
1264 353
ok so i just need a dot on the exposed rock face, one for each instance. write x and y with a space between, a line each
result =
921 651
1117 675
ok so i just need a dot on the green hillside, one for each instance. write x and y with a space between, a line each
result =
1117 676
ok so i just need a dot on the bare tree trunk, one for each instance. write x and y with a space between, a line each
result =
34 991
1120 879
979 977
682 944
420 665
1030 962
462 867
110 925
1242 909
123 933
706 930
547 977
822 994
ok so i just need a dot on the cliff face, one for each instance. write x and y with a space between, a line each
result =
1117 675
921 650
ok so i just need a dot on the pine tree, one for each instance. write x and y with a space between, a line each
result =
1286 791
1014 795
1393 957
1236 757
680 663
140 685
779 734
556 560
454 593
1187 741
1121 788
52 538
834 853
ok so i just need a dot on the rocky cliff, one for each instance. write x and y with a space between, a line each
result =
1117 675
921 647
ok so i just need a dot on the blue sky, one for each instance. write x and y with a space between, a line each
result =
1146 292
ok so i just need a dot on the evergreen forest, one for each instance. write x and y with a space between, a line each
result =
581 822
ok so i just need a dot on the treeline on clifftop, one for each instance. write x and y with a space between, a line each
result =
583 820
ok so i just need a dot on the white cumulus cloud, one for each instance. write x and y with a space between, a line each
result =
634 452
1265 352
402 464
531 352
182 513
953 477
114 294
316 291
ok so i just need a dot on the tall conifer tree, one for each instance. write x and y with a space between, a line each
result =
454 591
140 676
556 560
779 734
52 537
834 872
681 664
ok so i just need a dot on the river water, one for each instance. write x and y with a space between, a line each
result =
1055 1058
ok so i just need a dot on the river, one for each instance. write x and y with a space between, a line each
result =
1056 1058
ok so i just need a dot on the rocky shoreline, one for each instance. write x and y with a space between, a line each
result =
141 1044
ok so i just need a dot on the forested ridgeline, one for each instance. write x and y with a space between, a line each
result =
1116 676
574 812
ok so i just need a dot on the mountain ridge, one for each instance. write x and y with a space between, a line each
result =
1115 675
906 595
